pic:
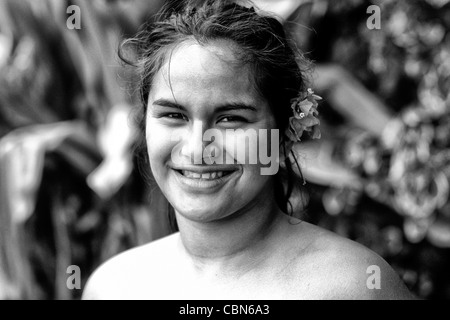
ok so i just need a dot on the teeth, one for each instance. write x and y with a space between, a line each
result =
205 176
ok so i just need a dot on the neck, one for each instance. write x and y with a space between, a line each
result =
233 241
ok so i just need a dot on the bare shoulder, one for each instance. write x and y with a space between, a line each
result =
114 278
345 269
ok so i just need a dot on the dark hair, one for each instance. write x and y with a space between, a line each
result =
279 70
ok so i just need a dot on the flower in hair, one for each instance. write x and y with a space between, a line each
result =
305 116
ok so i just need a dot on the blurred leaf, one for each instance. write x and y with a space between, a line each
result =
115 137
439 233
349 97
319 166
22 155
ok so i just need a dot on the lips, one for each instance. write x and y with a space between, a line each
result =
204 176
204 173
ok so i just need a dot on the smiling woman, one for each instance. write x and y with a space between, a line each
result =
218 65
202 80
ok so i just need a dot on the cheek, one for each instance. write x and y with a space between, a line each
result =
253 184
159 146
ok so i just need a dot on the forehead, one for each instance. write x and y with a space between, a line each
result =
210 70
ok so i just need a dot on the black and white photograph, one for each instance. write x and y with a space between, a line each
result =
225 154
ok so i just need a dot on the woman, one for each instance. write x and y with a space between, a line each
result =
222 68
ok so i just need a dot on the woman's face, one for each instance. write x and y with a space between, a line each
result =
201 88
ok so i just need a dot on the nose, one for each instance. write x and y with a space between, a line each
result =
194 144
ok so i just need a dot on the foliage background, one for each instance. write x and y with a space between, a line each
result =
70 188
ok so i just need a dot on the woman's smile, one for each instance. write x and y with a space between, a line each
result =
204 179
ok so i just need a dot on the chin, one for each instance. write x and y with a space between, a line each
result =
199 210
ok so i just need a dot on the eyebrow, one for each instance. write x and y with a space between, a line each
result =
225 107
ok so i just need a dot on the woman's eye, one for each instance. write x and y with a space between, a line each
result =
232 119
178 116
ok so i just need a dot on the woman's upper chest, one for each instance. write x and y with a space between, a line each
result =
287 280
